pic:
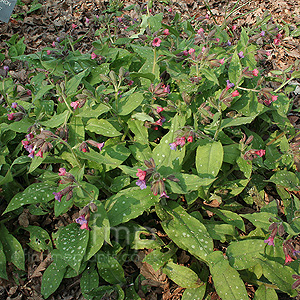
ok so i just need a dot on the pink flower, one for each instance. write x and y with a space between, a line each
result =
268 102
62 171
192 50
229 85
233 27
185 53
260 152
74 26
201 30
268 52
57 196
279 35
276 41
262 33
93 55
14 105
173 146
40 154
28 92
170 9
166 31
255 72
163 195
217 40
288 259
159 109
159 122
203 49
130 83
100 145
207 16
141 184
156 42
222 61
48 52
53 44
190 139
141 174
235 93
87 20
180 141
10 117
270 241
274 98
241 54
82 222
74 104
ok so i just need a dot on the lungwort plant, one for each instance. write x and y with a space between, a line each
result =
169 138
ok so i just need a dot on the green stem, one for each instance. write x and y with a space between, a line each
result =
154 61
285 83
71 149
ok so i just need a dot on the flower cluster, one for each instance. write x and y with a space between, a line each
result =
253 153
186 134
66 178
267 98
84 145
38 142
160 90
18 114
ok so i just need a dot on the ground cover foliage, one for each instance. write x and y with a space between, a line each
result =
170 139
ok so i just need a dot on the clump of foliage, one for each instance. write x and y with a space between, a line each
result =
171 129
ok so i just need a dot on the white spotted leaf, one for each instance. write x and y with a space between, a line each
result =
3 273
39 238
102 127
35 193
195 293
227 281
235 68
181 275
129 204
244 254
209 159
265 293
89 279
12 248
185 231
109 268
129 103
72 242
51 279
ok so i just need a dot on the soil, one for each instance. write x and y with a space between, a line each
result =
53 20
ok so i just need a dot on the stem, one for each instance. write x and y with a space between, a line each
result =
285 83
71 149
154 61
245 89
65 100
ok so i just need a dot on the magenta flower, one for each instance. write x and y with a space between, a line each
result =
229 85
141 174
100 146
192 50
166 31
53 44
159 109
270 241
141 184
260 152
228 43
40 153
185 53
222 61
235 93
48 52
74 26
74 104
201 30
163 195
233 27
274 98
31 154
87 20
173 146
10 117
288 259
262 33
82 222
93 55
190 139
241 54
57 196
62 171
156 42
6 68
170 9
255 72
14 105
180 141
276 41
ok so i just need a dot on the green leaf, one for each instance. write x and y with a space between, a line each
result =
36 162
185 231
73 83
210 75
139 130
260 219
194 294
35 193
244 254
12 248
100 231
265 293
244 37
155 22
109 268
158 257
183 276
237 122
51 279
209 159
245 166
163 156
142 117
56 120
235 68
229 217
39 238
76 131
3 273
20 126
102 127
89 279
227 281
128 104
286 179
279 275
72 242
129 204
94 77
95 111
